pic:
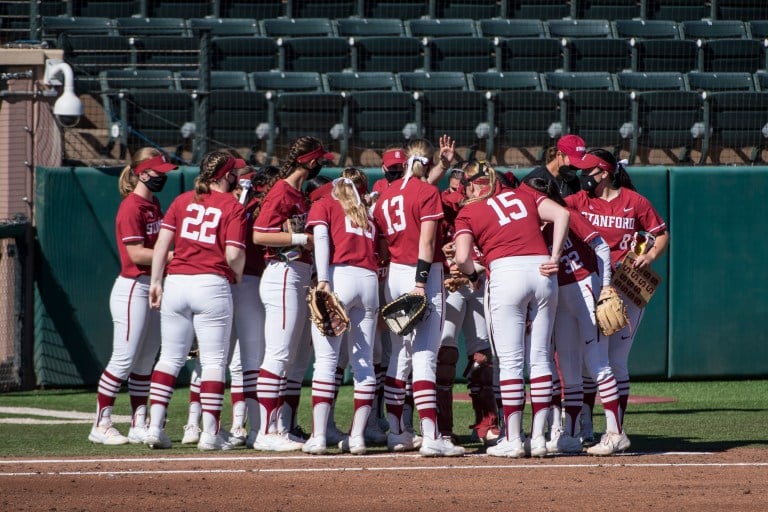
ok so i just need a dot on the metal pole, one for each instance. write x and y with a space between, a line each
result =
200 144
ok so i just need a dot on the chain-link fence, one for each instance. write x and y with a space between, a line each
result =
12 303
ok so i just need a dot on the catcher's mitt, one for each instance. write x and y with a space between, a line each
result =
327 312
402 314
611 313
453 283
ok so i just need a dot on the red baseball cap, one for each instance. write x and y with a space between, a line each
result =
591 161
393 157
572 146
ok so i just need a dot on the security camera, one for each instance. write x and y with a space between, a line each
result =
68 109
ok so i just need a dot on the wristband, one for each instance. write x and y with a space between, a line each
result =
422 271
299 238
473 277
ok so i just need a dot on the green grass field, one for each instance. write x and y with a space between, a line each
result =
706 416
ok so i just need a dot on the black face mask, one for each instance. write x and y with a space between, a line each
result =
588 183
567 172
314 172
231 182
393 175
156 183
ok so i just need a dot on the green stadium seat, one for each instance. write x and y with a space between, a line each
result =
570 81
761 79
321 54
539 9
285 81
365 27
742 10
168 52
580 28
506 81
641 81
442 80
361 81
609 9
377 118
152 27
240 53
735 120
661 55
612 55
190 80
403 9
89 55
323 8
726 55
297 27
601 117
106 9
713 29
758 29
177 9
53 26
125 79
529 54
712 82
441 27
458 113
464 54
665 120
503 28
225 26
394 54
474 9
677 10
298 114
646 29
235 115
155 117
256 9
525 119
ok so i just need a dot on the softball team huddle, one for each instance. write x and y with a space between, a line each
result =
517 267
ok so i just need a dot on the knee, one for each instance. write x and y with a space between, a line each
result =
447 357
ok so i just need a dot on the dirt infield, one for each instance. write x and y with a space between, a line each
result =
734 480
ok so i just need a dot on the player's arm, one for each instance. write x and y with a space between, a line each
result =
159 259
236 261
322 256
552 212
447 155
138 254
659 246
281 239
427 234
463 256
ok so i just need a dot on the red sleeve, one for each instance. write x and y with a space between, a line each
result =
273 213
236 228
430 206
649 218
318 214
581 227
169 220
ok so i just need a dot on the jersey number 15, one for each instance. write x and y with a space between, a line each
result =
507 207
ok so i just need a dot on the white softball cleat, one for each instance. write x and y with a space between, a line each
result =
610 443
157 439
137 434
316 445
107 435
505 448
213 442
560 442
191 434
535 447
354 445
276 442
237 436
440 447
404 442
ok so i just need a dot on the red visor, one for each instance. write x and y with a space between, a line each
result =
316 153
591 161
157 164
232 163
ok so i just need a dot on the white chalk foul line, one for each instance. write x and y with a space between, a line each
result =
62 416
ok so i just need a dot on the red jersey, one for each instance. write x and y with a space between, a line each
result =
349 243
283 203
399 213
138 220
254 254
617 220
380 186
578 259
202 231
506 224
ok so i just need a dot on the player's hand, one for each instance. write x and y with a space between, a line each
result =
454 270
449 250
548 269
642 261
447 152
324 286
310 245
419 290
155 295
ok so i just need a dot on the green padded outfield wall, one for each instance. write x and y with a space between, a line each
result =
719 301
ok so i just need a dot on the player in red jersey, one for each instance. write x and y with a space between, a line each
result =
206 227
280 227
136 333
407 214
504 224
610 203
346 265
